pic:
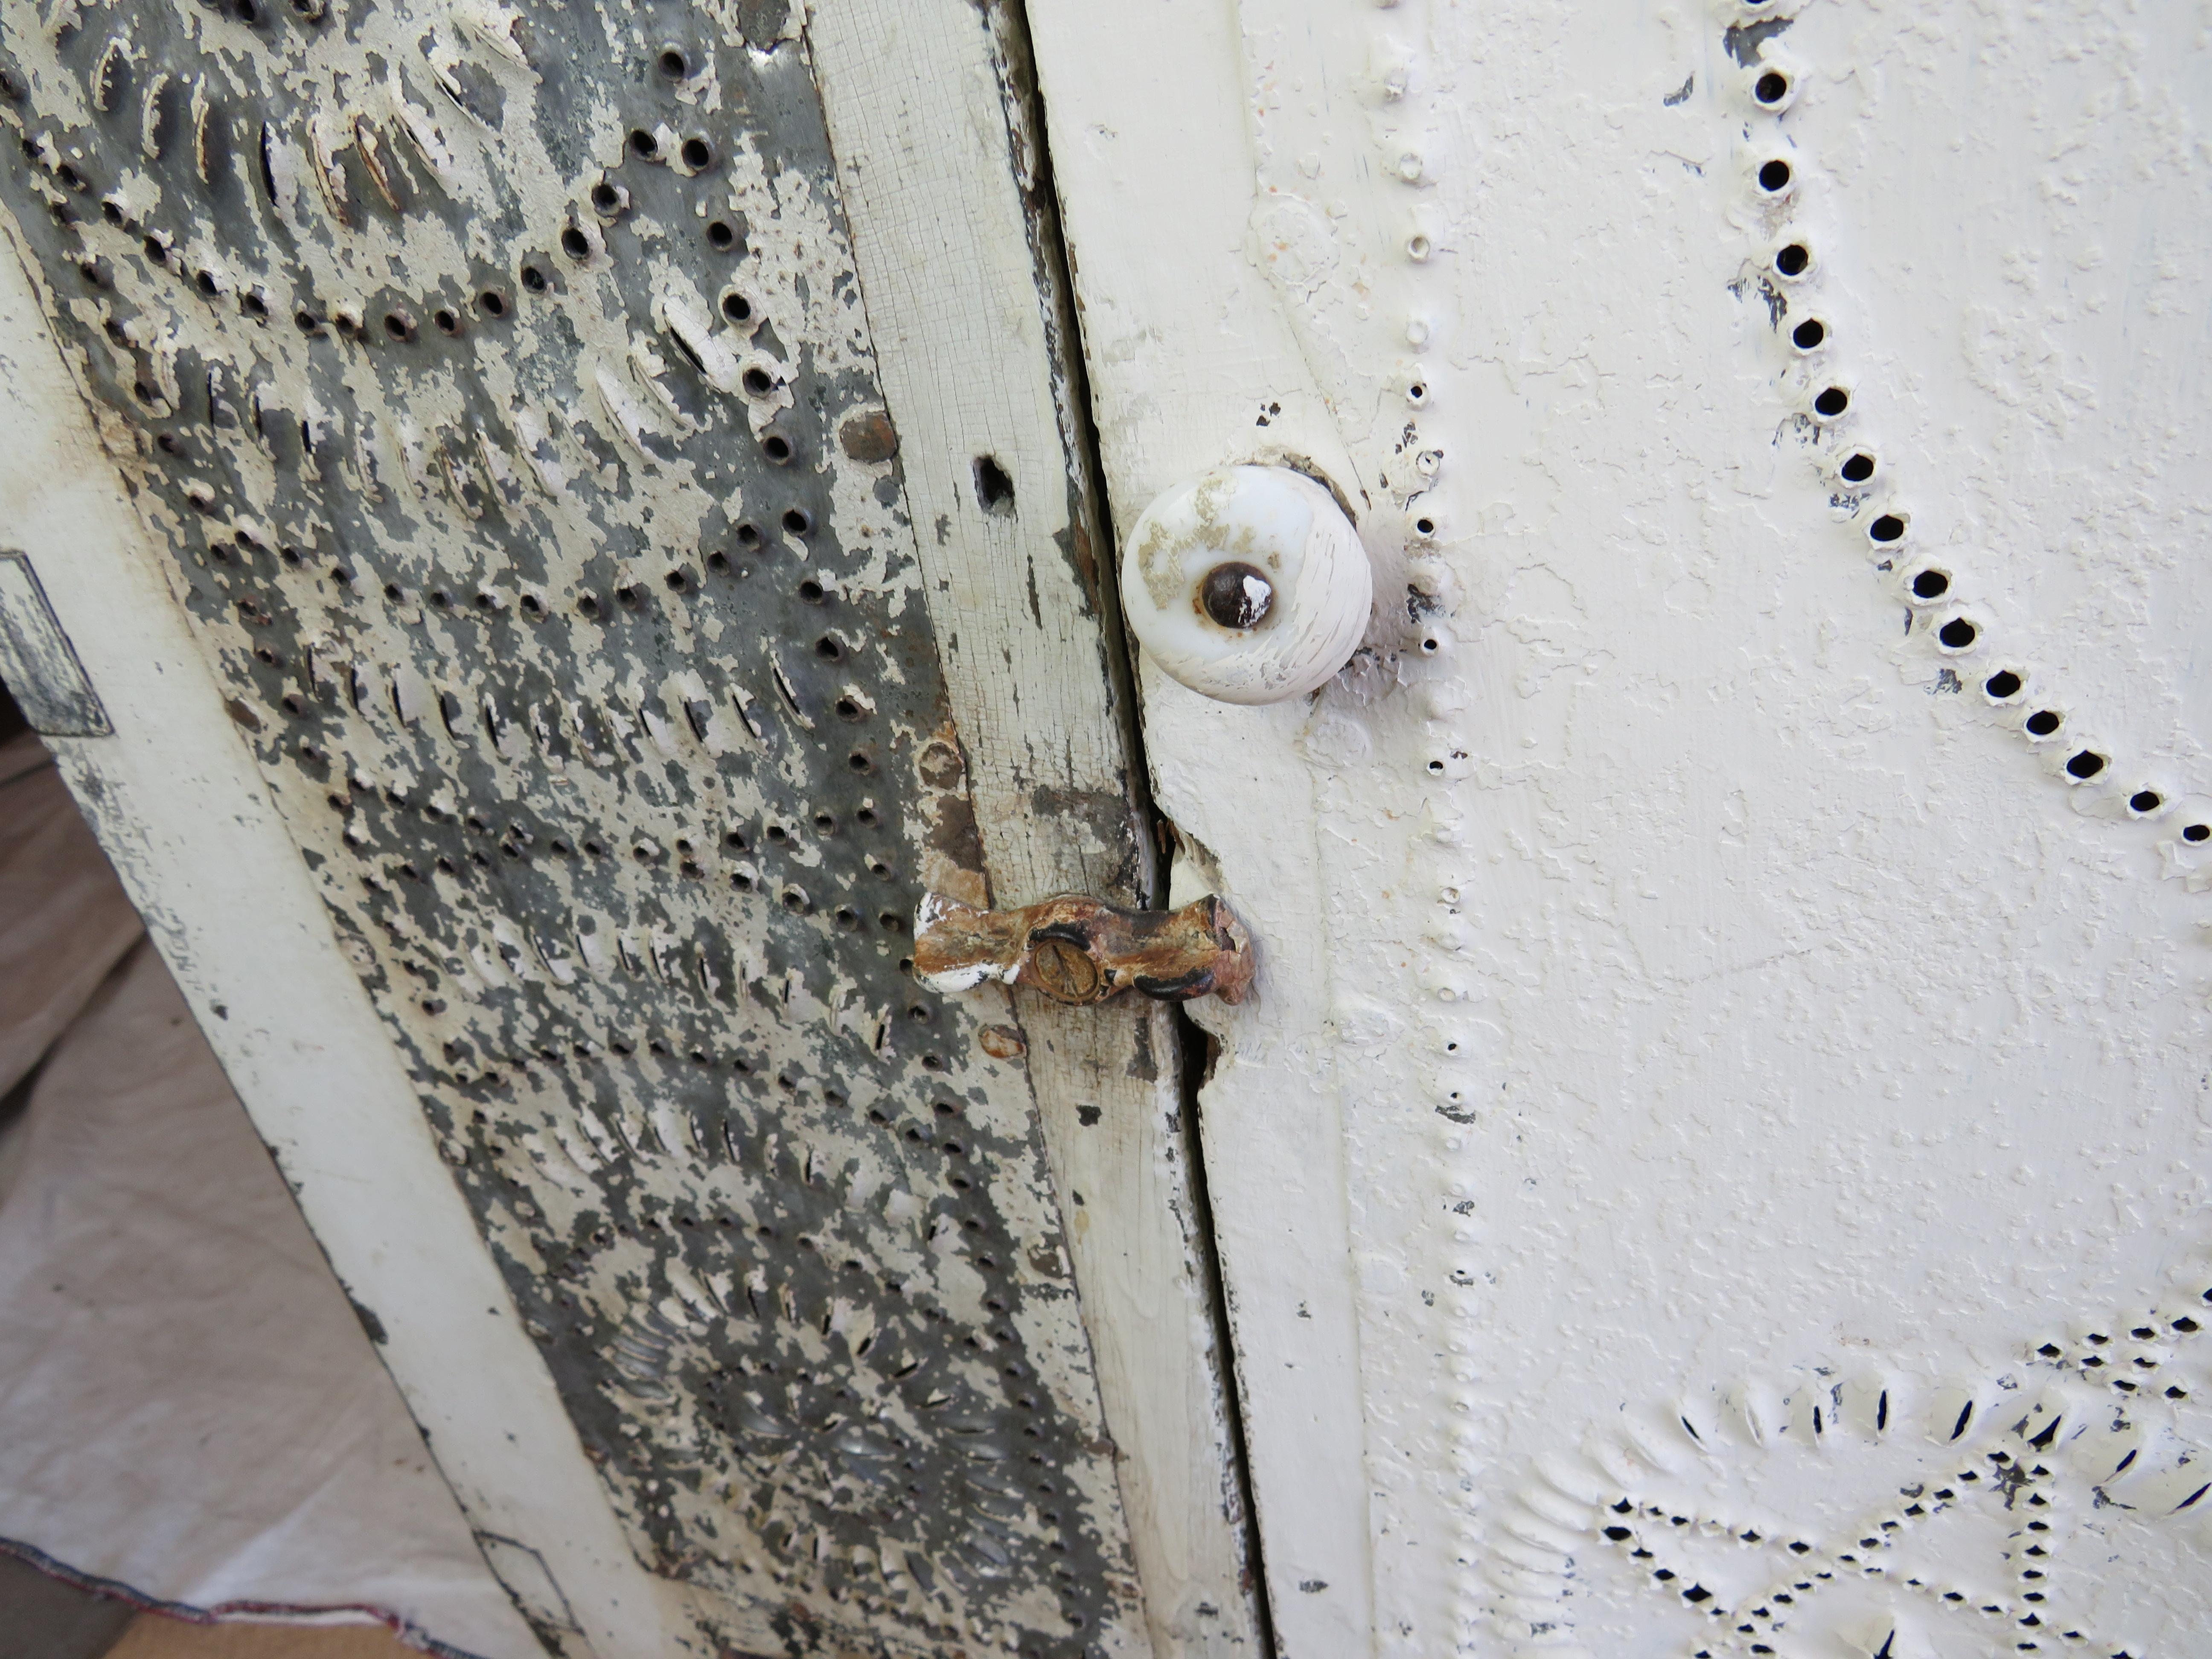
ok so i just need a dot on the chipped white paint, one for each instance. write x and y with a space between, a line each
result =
1298 585
38 662
937 156
1192 364
1738 1010
183 814
661 638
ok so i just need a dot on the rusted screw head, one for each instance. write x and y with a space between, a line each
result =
1236 595
1064 972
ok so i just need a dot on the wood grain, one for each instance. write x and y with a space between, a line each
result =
972 340
1194 365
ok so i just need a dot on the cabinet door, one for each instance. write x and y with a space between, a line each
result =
1713 1163
573 516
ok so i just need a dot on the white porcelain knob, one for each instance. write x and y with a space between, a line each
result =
1247 583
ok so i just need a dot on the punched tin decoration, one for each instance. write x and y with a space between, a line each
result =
500 383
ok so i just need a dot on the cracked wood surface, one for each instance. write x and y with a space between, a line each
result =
938 162
497 401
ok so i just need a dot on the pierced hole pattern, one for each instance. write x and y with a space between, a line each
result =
1773 87
622 996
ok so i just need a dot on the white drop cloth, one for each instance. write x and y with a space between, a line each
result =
188 1408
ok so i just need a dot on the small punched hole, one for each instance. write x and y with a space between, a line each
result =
1831 401
1794 260
1809 334
812 591
575 244
719 235
776 448
2044 721
2085 765
2196 832
2002 685
1771 87
492 303
447 322
797 520
535 279
757 381
1774 176
748 535
1932 585
698 153
1957 633
673 64
2145 801
607 198
1887 528
643 144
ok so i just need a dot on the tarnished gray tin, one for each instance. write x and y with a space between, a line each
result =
499 382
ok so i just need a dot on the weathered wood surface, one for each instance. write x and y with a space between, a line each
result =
184 816
1194 366
938 169
498 392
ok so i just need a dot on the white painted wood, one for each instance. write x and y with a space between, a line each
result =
1193 365
967 326
1760 1065
185 818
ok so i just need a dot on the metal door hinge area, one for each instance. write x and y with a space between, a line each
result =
1082 950
39 664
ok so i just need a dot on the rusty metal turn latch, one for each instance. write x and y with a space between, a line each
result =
1081 950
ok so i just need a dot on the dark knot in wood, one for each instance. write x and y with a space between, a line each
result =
1080 951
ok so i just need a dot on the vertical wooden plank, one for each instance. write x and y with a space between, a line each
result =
1193 365
937 171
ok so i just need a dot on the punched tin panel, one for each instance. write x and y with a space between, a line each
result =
501 386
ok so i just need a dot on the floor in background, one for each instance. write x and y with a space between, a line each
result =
188 1405
44 1617
151 1637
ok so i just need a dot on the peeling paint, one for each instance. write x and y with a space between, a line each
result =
499 382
